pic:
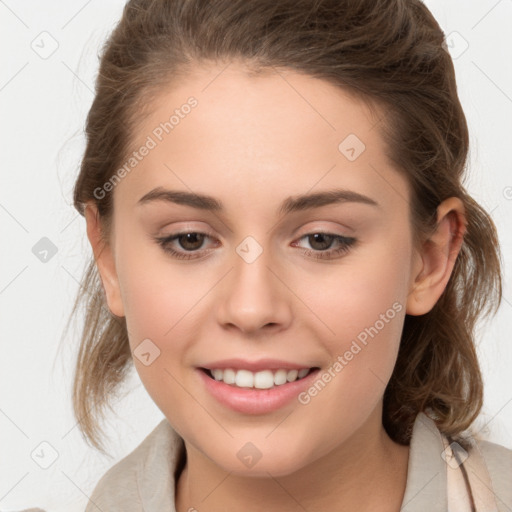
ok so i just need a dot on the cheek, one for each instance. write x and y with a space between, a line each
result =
161 320
360 311
157 292
158 298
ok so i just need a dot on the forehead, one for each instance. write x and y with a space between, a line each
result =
257 136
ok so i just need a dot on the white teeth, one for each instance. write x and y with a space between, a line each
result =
217 374
280 377
244 379
303 372
229 376
264 379
292 375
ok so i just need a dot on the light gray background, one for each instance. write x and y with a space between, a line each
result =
44 100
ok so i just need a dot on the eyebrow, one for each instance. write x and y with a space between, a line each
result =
289 205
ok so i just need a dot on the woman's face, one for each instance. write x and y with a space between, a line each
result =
281 157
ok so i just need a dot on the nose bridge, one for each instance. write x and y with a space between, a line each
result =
253 296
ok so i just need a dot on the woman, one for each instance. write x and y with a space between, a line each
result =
284 249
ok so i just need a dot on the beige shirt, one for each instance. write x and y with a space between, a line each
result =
145 479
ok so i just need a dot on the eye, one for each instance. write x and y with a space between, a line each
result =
321 241
190 245
190 241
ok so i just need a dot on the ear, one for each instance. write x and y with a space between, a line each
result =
437 257
104 258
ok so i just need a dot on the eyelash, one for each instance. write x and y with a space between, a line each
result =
346 244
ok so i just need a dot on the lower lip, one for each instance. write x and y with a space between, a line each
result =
256 401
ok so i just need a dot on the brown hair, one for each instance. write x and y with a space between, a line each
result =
390 53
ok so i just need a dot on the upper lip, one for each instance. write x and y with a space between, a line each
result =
254 366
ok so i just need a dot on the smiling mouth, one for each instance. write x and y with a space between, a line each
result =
265 379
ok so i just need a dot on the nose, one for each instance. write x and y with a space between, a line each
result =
254 297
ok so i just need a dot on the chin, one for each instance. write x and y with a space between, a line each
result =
249 461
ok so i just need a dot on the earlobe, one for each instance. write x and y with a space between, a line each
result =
438 256
104 258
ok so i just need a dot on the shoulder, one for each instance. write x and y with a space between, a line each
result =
498 460
121 487
439 470
496 456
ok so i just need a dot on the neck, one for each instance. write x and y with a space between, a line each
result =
367 472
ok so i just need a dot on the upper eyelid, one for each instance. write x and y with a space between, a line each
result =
211 235
330 231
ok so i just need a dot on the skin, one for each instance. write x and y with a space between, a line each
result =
251 143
